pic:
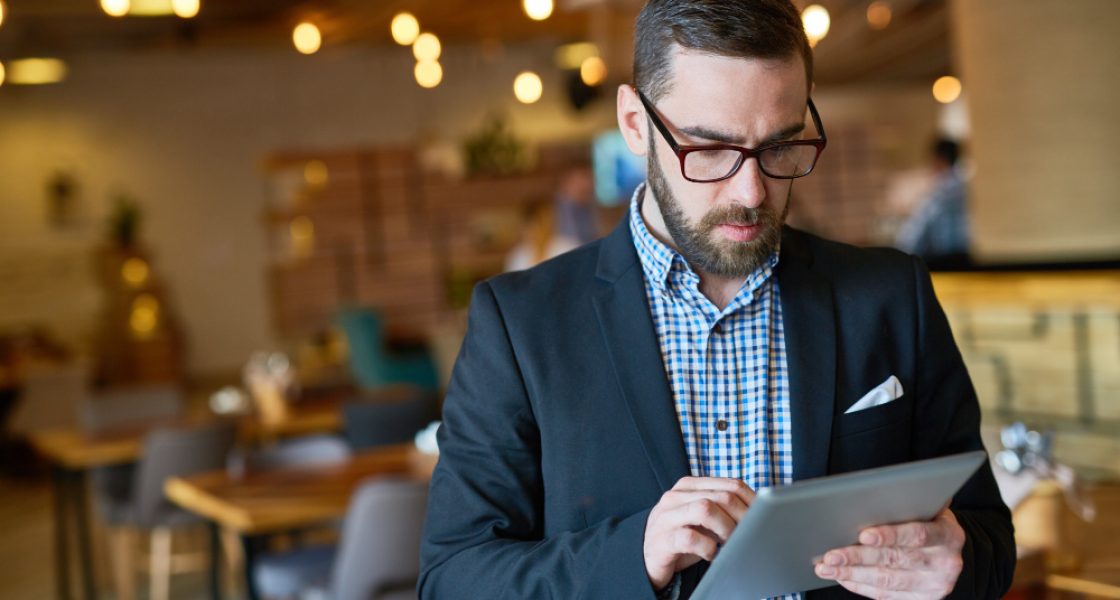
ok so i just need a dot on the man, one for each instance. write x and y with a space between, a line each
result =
937 230
612 410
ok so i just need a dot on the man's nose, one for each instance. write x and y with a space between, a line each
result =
748 187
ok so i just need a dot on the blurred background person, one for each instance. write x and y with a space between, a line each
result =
937 229
574 205
541 239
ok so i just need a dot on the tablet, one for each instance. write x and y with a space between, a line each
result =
771 551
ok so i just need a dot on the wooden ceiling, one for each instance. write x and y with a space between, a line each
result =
915 46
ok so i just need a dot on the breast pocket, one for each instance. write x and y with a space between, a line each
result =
890 414
872 437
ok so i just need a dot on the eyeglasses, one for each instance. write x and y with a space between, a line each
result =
716 162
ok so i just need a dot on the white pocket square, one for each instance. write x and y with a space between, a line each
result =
882 394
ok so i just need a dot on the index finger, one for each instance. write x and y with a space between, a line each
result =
918 534
717 484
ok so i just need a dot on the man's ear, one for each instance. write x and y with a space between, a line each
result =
632 120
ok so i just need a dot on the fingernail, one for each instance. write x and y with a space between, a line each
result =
833 559
826 571
869 539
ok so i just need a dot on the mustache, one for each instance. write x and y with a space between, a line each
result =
738 215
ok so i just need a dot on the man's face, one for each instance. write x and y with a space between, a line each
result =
725 228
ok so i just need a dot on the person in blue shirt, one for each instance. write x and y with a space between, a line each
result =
938 229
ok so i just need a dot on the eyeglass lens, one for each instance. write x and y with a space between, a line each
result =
778 161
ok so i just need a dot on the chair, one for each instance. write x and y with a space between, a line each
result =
50 396
304 451
125 406
378 556
119 407
307 451
370 362
166 453
368 424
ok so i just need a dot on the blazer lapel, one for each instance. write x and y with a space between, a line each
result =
631 342
809 321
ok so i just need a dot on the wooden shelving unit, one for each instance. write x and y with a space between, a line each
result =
371 228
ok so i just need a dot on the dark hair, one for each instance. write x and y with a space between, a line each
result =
947 150
735 28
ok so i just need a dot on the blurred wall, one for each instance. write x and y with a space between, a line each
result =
1043 94
185 132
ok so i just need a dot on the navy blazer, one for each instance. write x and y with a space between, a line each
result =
560 432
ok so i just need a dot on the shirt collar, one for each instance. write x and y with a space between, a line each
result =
657 258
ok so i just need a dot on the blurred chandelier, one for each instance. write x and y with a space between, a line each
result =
185 9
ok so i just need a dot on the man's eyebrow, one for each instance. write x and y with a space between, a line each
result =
786 133
722 137
704 133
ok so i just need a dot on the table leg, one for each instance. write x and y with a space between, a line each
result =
85 556
249 543
215 560
61 535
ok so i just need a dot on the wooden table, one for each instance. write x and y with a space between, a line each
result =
72 452
256 505
1093 581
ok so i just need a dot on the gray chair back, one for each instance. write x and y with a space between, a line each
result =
304 451
379 552
368 424
122 406
176 452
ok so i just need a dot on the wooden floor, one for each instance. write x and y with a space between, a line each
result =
26 549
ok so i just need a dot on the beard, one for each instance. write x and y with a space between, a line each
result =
699 244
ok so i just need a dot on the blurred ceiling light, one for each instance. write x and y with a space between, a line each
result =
186 9
315 173
571 56
135 272
428 73
528 87
115 8
2 10
307 38
947 89
151 8
816 21
1 73
404 28
426 47
538 10
879 14
36 71
593 71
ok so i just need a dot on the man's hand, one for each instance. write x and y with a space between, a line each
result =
911 560
689 522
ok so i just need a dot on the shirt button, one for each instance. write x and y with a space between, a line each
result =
721 425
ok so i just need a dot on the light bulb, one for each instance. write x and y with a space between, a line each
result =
307 38
404 28
528 87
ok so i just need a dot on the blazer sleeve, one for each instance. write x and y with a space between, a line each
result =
484 536
948 422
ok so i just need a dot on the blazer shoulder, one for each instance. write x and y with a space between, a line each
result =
553 281
881 268
840 254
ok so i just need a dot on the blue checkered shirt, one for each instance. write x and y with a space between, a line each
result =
727 368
